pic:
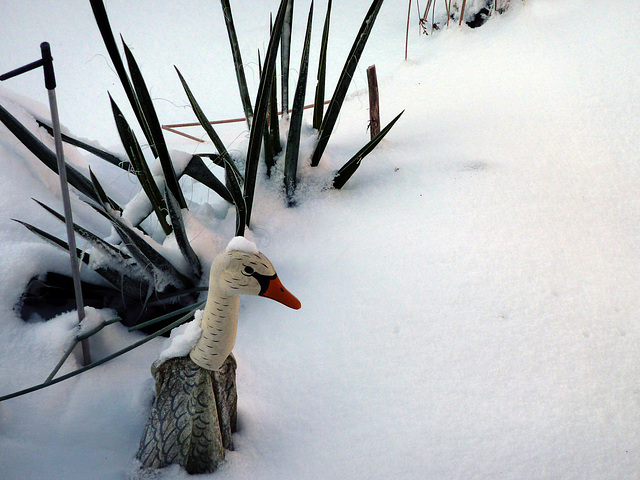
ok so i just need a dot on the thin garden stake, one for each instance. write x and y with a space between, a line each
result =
50 83
374 102
464 4
173 126
406 42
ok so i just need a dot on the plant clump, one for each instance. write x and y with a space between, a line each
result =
140 281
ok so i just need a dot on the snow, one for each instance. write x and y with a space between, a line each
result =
182 339
93 319
242 244
470 297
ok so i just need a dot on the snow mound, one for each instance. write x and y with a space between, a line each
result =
182 339
93 319
243 245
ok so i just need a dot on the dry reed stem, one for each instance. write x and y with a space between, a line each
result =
426 10
406 43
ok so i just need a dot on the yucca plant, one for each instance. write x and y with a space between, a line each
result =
265 102
141 282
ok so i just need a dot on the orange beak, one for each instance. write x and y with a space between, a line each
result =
276 291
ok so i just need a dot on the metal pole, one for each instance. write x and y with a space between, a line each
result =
50 83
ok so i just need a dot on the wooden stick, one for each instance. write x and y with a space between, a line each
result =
178 132
173 126
426 10
196 124
464 3
374 101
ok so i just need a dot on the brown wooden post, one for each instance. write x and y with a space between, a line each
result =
464 4
374 101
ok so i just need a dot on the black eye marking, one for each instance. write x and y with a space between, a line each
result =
248 270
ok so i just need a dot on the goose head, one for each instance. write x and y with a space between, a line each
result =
248 272
240 270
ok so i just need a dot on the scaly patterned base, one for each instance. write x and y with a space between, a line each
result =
192 417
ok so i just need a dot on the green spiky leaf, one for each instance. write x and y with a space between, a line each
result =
146 256
237 62
217 142
100 195
274 121
260 114
285 55
140 167
318 108
155 130
266 133
295 126
100 14
270 122
234 183
94 239
45 155
109 157
349 168
331 117
197 170
52 239
181 235
124 284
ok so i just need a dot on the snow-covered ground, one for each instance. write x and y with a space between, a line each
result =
470 303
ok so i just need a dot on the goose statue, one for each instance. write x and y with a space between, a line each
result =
194 410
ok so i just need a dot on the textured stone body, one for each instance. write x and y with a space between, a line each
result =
192 417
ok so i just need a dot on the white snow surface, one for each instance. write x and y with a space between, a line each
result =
470 304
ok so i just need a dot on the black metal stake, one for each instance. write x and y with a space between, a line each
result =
50 83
